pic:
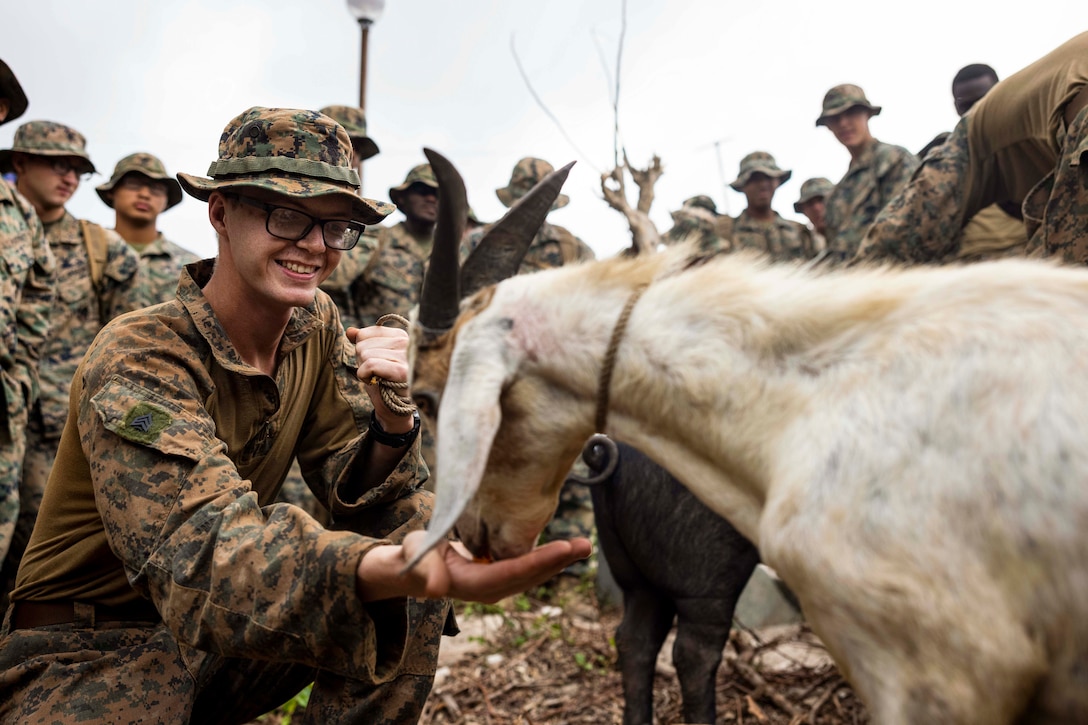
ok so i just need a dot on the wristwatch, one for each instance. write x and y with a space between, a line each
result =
393 440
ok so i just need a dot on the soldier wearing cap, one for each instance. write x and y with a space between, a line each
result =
138 191
1022 146
759 226
96 274
813 204
877 170
26 300
698 220
161 557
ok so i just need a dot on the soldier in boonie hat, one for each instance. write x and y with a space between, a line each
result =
144 165
288 151
420 176
526 174
354 122
818 187
841 99
11 95
48 138
759 162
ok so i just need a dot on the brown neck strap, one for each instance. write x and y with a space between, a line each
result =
610 358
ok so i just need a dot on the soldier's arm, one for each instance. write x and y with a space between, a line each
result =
33 310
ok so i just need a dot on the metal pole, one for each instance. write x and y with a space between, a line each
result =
365 26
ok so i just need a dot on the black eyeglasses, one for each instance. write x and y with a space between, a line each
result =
62 166
292 225
133 182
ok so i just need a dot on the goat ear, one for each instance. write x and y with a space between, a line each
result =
468 420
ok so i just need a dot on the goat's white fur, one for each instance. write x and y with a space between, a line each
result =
908 449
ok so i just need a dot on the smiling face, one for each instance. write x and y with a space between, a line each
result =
263 270
851 127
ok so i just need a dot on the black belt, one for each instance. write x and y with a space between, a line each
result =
28 615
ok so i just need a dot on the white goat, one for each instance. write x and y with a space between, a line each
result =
908 449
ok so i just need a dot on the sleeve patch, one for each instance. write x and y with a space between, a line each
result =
144 422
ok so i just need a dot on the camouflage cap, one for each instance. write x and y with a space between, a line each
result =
811 189
354 122
759 162
422 174
46 138
289 151
841 99
143 164
702 201
472 218
13 92
527 173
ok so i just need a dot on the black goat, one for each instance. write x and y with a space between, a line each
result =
673 558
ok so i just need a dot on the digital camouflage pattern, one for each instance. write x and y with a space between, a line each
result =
759 162
812 189
841 99
527 173
144 164
872 180
287 151
256 598
421 174
26 292
1062 229
79 311
161 263
354 122
697 220
47 138
780 238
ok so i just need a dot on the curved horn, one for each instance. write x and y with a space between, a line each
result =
440 297
502 248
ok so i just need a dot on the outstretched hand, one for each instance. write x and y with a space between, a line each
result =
449 571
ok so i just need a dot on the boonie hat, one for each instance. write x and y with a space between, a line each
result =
759 162
354 122
47 138
143 164
527 173
289 151
11 90
421 174
841 99
811 189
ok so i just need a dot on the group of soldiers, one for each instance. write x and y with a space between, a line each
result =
1006 181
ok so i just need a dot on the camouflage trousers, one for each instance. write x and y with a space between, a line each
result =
924 222
130 672
1056 210
88 671
12 449
39 454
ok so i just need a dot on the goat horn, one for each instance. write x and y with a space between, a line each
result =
440 297
502 248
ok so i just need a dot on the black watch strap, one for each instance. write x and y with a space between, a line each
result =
393 440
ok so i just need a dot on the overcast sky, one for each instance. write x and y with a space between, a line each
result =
701 84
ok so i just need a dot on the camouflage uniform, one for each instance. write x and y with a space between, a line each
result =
817 187
196 597
161 261
1015 146
80 309
871 181
26 292
354 122
698 220
779 238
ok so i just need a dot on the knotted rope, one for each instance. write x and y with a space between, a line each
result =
390 391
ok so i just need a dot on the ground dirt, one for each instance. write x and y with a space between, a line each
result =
550 657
